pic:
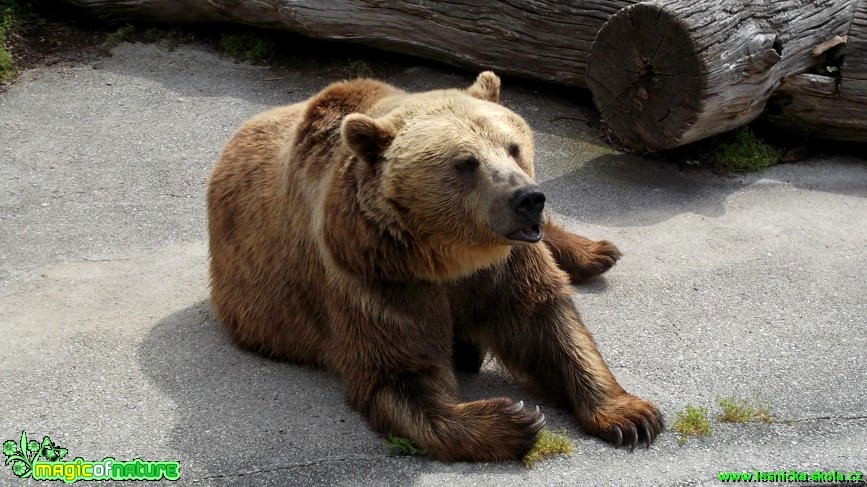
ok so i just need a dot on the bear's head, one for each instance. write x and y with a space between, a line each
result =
453 169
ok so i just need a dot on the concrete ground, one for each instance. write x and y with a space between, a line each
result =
729 286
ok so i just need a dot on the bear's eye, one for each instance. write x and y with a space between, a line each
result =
467 165
514 151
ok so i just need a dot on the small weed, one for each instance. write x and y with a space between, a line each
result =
153 34
743 411
763 409
404 446
740 151
251 47
734 411
177 37
118 36
549 443
359 69
692 421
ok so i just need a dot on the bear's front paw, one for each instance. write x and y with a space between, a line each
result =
582 258
601 256
625 419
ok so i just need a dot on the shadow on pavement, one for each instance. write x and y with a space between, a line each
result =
240 415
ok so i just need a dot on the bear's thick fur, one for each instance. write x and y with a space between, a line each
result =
391 238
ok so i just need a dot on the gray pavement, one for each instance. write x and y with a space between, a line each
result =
729 285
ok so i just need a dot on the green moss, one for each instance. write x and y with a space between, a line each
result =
12 13
692 421
7 64
404 446
734 411
248 46
739 151
549 443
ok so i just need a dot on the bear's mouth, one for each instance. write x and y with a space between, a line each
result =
530 234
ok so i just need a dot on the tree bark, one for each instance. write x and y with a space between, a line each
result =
544 39
666 73
829 107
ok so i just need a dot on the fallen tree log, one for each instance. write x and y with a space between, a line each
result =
544 39
834 105
666 73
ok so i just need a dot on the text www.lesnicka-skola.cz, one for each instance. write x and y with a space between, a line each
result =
792 476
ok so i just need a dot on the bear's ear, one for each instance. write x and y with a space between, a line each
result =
486 87
365 137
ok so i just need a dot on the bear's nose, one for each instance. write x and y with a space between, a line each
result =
528 202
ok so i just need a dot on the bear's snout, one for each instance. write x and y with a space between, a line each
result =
528 202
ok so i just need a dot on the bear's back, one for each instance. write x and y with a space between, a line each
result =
266 269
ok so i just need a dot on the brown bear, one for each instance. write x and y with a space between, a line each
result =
394 237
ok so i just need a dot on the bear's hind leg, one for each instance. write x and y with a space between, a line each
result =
423 407
580 257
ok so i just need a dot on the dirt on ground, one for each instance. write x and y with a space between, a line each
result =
56 36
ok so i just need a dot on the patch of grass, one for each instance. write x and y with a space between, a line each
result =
12 13
153 34
549 443
251 47
359 68
176 38
692 421
121 34
171 39
740 151
745 410
734 411
404 446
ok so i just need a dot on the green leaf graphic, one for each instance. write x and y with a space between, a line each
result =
21 464
24 456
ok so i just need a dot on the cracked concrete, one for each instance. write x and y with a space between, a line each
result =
729 285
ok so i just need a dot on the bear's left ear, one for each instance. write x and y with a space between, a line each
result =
486 87
365 137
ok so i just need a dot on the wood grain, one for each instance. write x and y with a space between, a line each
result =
826 107
543 39
666 73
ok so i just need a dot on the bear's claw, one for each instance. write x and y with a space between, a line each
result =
540 423
626 420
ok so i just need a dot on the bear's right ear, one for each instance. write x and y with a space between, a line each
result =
486 87
365 137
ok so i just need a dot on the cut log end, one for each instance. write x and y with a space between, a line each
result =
645 77
664 74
